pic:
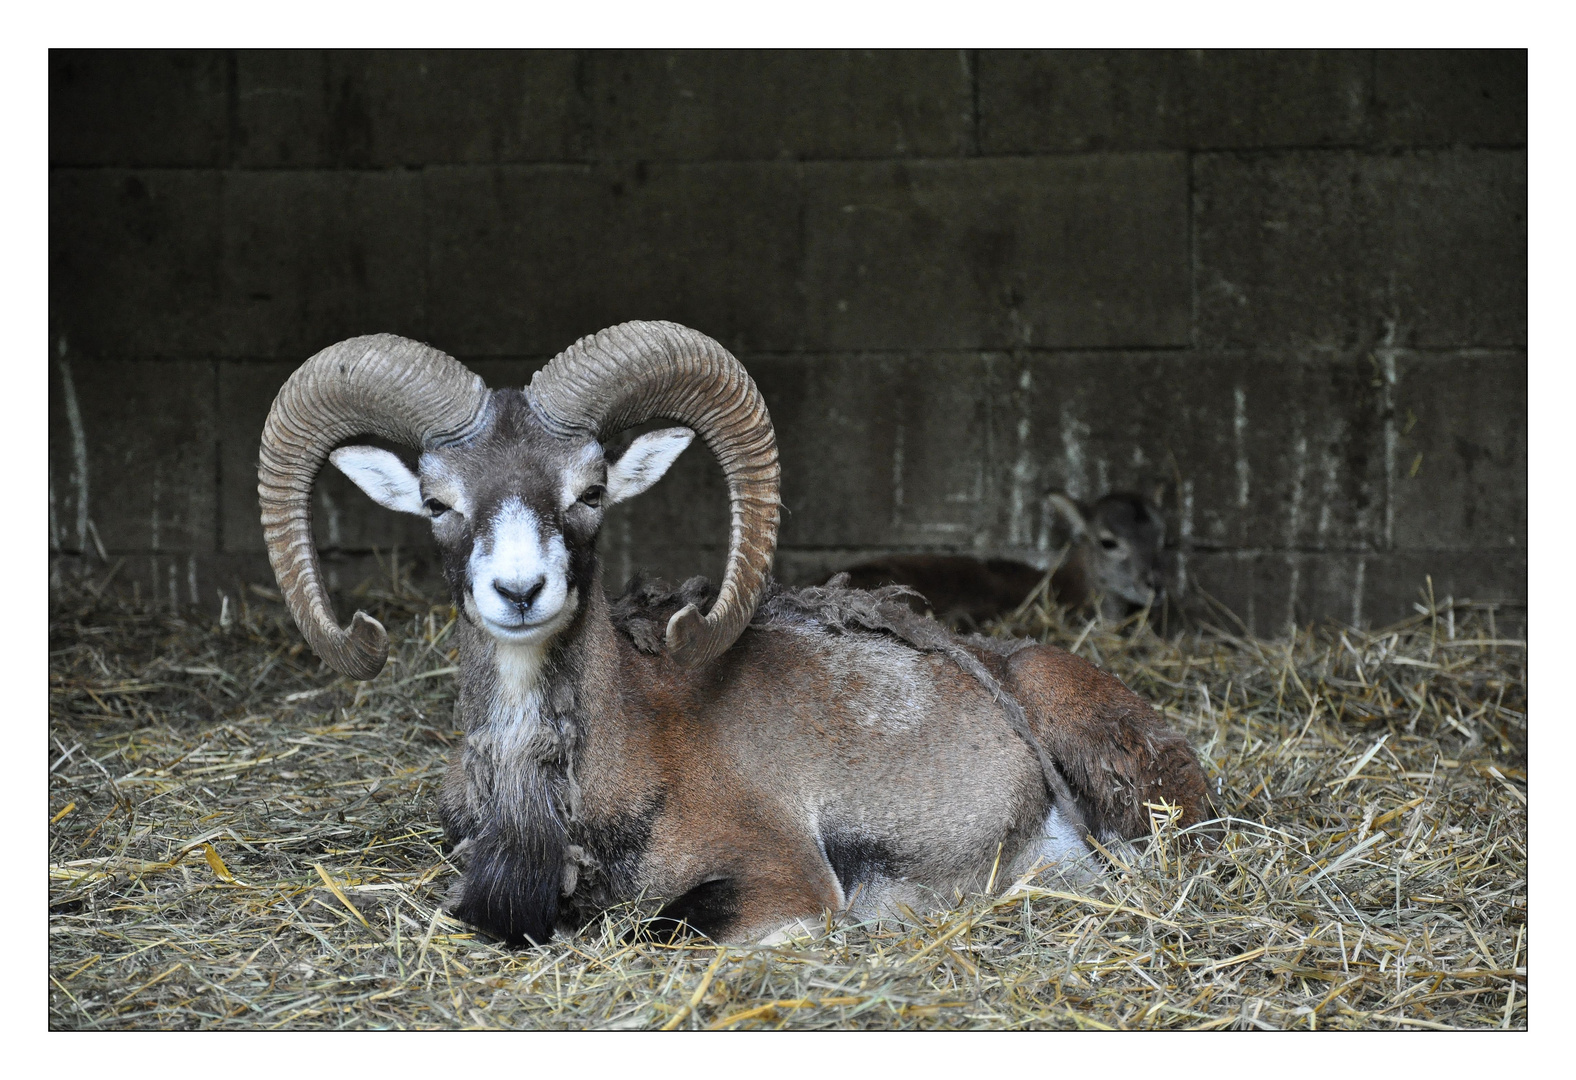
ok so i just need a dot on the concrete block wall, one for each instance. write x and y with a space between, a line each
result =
1287 288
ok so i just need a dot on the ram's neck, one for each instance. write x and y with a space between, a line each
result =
526 703
522 704
512 794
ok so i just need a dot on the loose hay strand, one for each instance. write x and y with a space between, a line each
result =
1372 872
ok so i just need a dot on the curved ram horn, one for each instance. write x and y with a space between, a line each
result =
639 371
381 385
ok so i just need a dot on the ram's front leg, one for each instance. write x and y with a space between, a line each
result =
756 896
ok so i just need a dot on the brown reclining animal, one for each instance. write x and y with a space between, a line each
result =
1112 565
784 753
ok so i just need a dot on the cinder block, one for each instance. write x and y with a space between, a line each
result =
1451 97
1229 588
169 581
498 371
139 107
1394 583
1265 590
132 455
343 518
1457 239
526 261
311 258
1461 451
880 450
1426 249
406 107
1056 101
134 261
875 451
1087 251
1271 450
739 104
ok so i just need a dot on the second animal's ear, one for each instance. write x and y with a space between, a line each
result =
644 463
1157 494
382 475
1070 513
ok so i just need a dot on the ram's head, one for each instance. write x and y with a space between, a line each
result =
515 482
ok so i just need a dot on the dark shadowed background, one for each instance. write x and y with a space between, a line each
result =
1287 289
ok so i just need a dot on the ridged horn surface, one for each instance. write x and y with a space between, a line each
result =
639 371
381 385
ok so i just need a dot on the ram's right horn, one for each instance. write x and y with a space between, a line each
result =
382 385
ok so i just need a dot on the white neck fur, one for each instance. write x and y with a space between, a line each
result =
516 708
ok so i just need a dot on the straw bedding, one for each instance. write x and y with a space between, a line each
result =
241 839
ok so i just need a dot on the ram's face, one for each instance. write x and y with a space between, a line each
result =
515 510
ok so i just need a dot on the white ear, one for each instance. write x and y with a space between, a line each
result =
382 476
643 464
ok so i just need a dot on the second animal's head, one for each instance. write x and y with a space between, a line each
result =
1118 546
1113 563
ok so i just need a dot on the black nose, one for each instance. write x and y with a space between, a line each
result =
521 594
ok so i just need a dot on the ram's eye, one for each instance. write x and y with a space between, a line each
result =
436 508
592 496
1108 542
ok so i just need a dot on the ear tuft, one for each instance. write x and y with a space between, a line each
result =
382 475
645 462
1070 513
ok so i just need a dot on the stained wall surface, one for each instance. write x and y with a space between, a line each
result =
1285 290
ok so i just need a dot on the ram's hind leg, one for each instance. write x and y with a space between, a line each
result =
1114 749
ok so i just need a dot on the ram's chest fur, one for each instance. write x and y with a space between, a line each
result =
519 740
